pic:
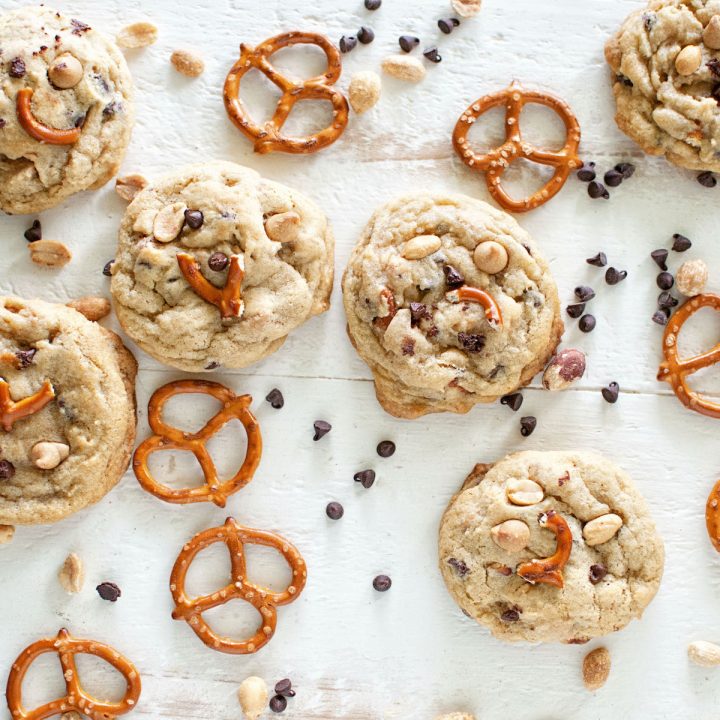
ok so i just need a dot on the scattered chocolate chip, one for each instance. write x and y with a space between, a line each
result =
447 25
382 583
614 276
348 43
587 172
665 280
107 268
218 261
707 179
613 178
660 257
432 54
366 35
284 687
365 477
459 566
611 392
667 300
408 42
661 316
322 428
681 243
513 401
34 232
575 310
597 190
334 510
7 469
17 67
278 703
452 277
599 260
510 616
194 218
596 573
471 342
372 4
109 591
275 398
584 293
626 169
25 357
528 425
418 311
587 323
385 448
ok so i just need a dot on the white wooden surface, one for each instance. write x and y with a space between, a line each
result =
351 652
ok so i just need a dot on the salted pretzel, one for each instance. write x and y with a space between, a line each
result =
495 162
473 294
240 588
37 130
76 698
167 437
267 137
675 371
11 411
712 516
550 570
228 299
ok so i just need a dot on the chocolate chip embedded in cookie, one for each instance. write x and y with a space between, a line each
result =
450 303
550 547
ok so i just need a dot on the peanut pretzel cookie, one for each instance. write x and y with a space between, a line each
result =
450 303
550 547
216 266
66 109
67 411
665 61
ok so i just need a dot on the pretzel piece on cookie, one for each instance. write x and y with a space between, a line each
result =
12 411
37 130
550 570
228 299
473 294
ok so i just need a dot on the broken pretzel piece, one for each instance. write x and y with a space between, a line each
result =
549 570
228 299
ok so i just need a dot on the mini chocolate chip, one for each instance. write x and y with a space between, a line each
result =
613 178
626 169
278 703
382 583
665 280
79 121
681 243
17 67
459 566
624 79
25 357
218 261
599 260
385 448
452 277
528 425
432 54
372 4
112 108
587 172
194 218
513 401
322 428
109 591
510 616
471 342
348 43
611 392
667 300
275 398
408 42
660 257
107 268
613 276
575 310
365 477
597 190
212 365
284 687
661 316
707 179
418 311
584 293
7 469
447 25
596 573
334 510
587 323
34 232
365 35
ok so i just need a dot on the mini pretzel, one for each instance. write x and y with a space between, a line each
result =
712 516
67 647
227 299
11 412
550 569
473 294
263 600
496 162
675 371
37 130
267 137
167 437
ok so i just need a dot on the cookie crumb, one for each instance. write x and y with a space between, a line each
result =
187 63
691 277
596 668
93 308
128 186
137 35
72 574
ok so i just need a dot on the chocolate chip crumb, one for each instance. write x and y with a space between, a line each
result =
680 243
660 256
218 261
278 703
386 448
587 323
611 392
107 269
599 260
334 510
575 310
7 469
418 312
109 591
408 42
34 232
596 573
382 583
513 401
471 342
584 293
213 365
528 425
613 276
365 477
275 398
322 428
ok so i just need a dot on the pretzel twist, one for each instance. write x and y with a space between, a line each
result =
67 647
550 570
228 299
267 137
473 294
495 162
167 437
675 371
262 599
37 130
11 411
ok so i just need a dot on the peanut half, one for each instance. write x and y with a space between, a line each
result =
72 574
688 60
703 653
187 63
65 71
364 91
49 253
48 455
283 227
404 67
524 492
711 34
169 222
420 247
137 35
253 697
490 257
601 529
128 186
511 535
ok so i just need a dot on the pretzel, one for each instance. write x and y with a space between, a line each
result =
11 411
495 162
712 516
473 294
267 137
67 647
263 600
549 570
229 299
37 130
675 371
167 437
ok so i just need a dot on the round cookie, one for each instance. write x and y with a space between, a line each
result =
87 427
280 237
430 350
496 532
665 61
78 78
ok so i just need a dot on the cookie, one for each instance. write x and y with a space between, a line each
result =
665 62
80 95
73 443
550 547
450 303
216 266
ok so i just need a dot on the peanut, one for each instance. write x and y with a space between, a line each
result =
72 574
688 60
253 697
93 308
49 253
6 533
564 369
596 668
364 90
65 71
404 67
711 34
128 186
467 8
283 227
420 247
169 222
524 492
691 277
490 257
48 455
703 653
187 63
137 35
511 535
601 529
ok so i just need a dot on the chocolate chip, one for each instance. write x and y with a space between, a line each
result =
596 573
408 42
587 323
459 566
107 268
365 35
34 232
587 172
614 276
112 108
218 261
79 27
322 428
661 316
707 179
385 448
665 280
365 477
660 257
25 357
334 510
575 310
510 616
284 687
452 277
7 469
611 392
348 43
613 178
471 342
626 169
528 425
418 311
109 591
447 25
649 20
624 79
599 260
681 243
212 365
597 190
432 54
17 67
513 401
408 346
714 66
278 703
667 300
382 583
275 398
372 4
584 293
194 218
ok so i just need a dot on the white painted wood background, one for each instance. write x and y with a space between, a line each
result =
409 653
